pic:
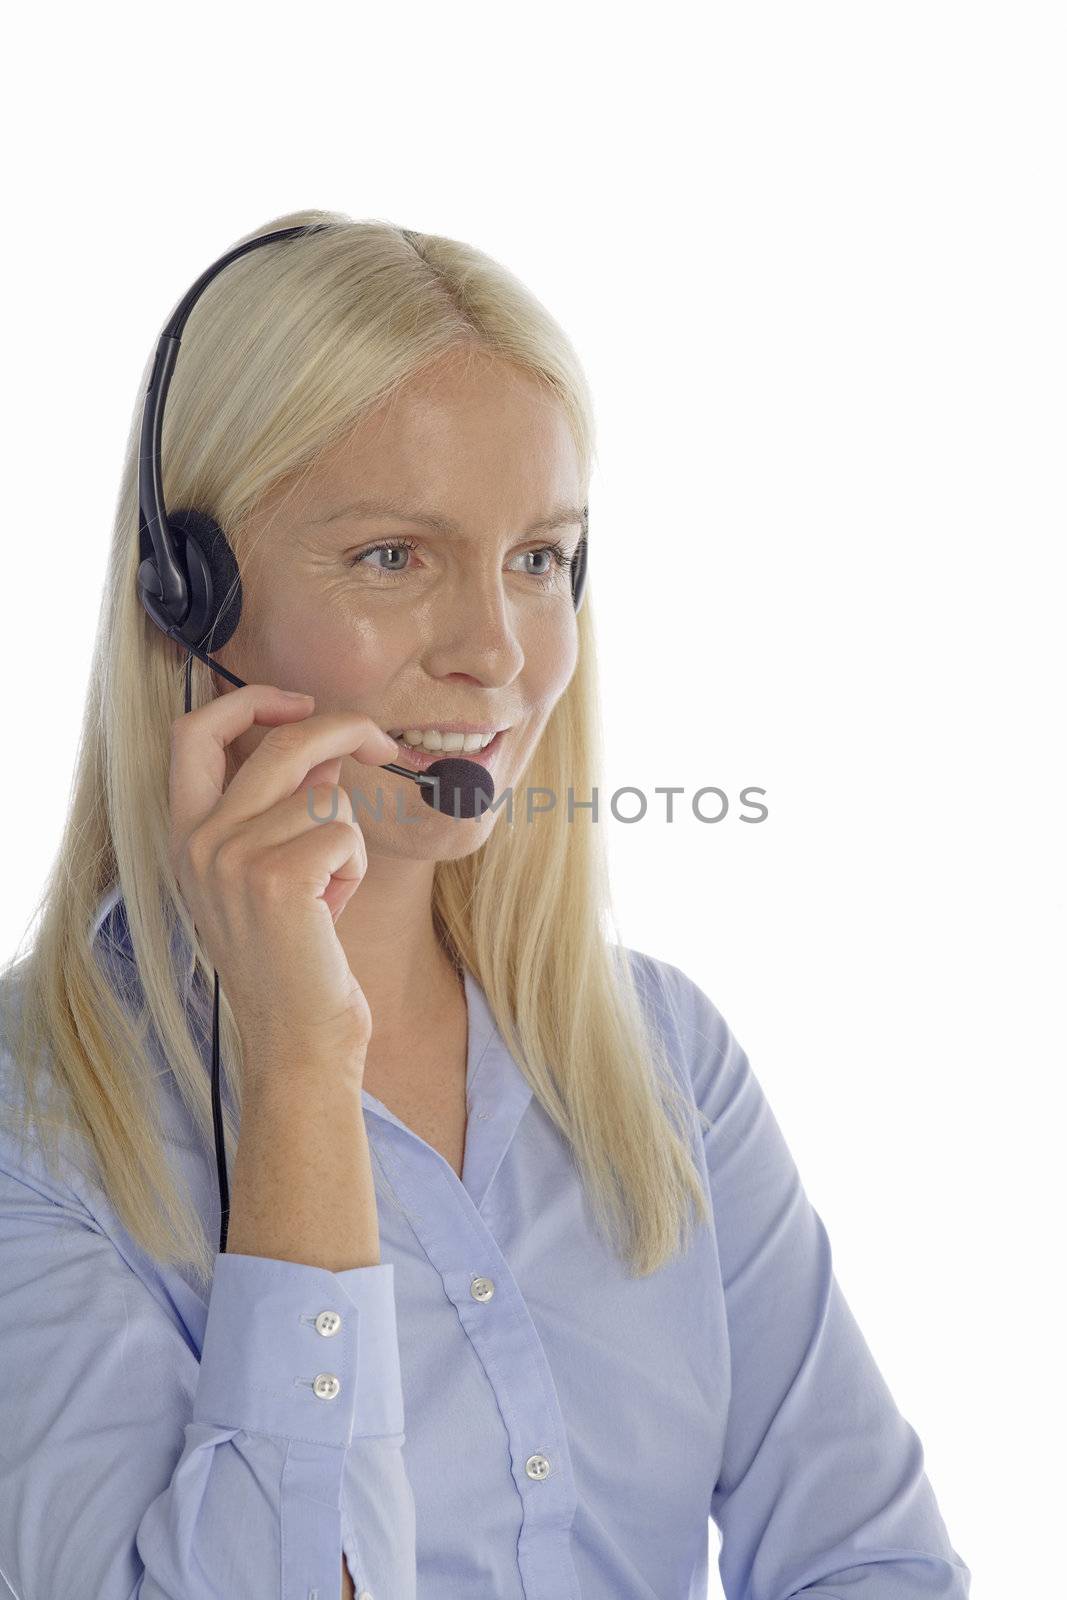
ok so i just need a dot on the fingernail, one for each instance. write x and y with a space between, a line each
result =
293 694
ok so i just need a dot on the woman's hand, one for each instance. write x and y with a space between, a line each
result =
264 881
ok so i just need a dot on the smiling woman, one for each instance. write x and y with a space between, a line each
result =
507 1192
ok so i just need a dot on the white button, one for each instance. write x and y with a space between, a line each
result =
327 1386
483 1288
537 1467
327 1322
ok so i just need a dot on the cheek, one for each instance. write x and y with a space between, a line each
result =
551 659
549 666
344 660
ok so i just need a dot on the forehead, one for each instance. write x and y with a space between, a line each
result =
466 432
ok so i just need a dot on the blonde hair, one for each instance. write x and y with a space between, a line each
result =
258 395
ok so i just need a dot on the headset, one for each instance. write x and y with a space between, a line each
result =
188 579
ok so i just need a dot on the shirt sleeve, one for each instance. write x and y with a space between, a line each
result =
822 1489
131 1469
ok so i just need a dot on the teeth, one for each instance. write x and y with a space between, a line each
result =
431 739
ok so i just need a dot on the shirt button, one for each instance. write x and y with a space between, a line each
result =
327 1386
483 1288
537 1467
327 1322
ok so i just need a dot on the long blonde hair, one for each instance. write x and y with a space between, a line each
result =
258 395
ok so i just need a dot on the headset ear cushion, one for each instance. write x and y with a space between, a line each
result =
214 578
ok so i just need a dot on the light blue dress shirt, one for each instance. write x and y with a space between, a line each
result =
496 1409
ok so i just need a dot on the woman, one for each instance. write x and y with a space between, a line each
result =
465 1322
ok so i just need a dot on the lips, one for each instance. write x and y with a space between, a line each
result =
419 759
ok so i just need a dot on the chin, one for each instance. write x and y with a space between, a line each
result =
440 838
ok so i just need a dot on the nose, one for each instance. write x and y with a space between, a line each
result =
471 636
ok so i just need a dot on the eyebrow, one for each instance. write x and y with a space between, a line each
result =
383 506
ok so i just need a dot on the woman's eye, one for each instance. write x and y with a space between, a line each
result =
394 550
390 547
546 556
556 558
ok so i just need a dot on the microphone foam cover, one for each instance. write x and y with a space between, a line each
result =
458 787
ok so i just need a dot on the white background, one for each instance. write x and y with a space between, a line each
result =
813 259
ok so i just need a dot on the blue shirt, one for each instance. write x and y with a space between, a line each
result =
497 1406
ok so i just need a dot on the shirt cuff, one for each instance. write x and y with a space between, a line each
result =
301 1352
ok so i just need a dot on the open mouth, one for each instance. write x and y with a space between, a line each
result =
418 759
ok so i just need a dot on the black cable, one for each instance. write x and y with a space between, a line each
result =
216 1095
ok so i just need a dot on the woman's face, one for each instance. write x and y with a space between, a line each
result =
473 623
